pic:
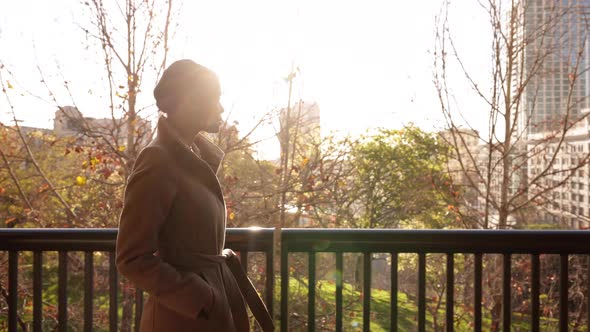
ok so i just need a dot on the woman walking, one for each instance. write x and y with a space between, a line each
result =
172 228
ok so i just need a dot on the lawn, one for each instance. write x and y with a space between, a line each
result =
380 311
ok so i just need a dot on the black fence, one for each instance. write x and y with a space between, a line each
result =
312 242
89 241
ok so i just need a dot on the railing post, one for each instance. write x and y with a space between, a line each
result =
284 285
477 279
138 308
506 291
88 289
588 293
450 292
339 283
12 290
367 292
535 290
421 292
113 287
37 290
270 281
563 292
62 296
311 292
393 295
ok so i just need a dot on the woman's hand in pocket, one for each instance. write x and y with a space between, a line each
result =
205 313
218 306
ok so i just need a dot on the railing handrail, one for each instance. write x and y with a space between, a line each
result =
329 240
103 239
437 241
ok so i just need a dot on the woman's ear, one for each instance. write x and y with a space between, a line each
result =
183 104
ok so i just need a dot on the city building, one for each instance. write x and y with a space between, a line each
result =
567 170
69 121
554 66
477 168
550 88
465 145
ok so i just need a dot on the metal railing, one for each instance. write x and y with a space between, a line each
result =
448 242
312 242
89 241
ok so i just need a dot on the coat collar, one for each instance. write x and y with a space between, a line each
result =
210 153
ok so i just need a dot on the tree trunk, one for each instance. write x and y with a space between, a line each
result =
131 117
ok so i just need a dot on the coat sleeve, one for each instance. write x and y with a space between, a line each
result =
148 198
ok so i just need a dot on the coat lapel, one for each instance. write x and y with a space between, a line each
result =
207 163
210 152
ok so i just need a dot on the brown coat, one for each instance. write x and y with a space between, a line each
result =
171 232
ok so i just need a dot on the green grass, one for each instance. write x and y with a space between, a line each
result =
325 308
352 308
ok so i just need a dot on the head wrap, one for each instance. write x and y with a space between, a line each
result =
178 79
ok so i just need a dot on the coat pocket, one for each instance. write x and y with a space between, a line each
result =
220 306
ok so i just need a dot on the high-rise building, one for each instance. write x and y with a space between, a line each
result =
302 125
553 62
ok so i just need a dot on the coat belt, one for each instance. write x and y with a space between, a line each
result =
228 260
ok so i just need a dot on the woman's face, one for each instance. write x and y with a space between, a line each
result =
203 109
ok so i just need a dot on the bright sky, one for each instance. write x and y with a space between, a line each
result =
366 63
